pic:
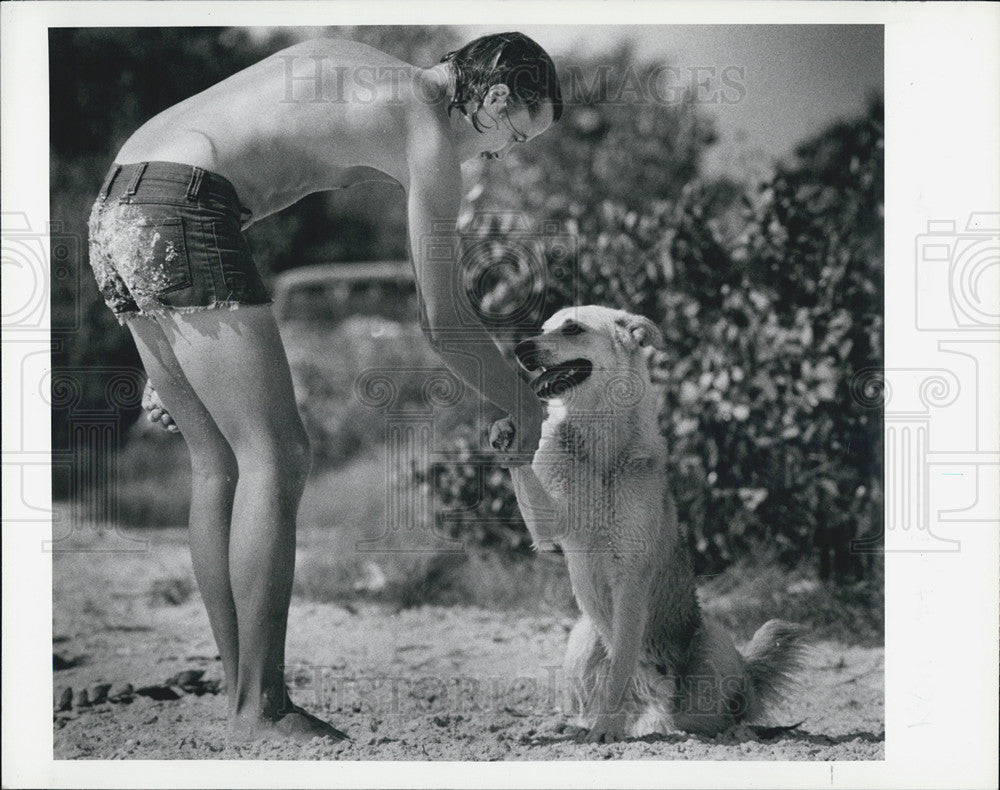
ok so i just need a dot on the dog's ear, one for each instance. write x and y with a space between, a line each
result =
643 331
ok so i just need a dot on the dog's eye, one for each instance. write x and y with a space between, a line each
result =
571 328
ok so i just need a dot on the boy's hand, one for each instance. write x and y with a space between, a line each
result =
516 447
156 412
502 435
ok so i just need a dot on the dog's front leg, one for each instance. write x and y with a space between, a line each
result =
628 618
544 517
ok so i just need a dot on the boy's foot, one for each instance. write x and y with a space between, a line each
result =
296 724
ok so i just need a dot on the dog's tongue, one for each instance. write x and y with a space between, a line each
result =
557 380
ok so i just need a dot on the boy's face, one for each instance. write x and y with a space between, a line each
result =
505 123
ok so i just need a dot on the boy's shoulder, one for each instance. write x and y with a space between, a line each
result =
344 49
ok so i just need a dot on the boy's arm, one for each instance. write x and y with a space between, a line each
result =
462 342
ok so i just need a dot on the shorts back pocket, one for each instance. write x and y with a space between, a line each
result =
168 267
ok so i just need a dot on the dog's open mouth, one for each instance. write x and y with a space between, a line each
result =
559 379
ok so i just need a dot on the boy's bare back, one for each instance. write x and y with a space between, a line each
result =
319 115
328 113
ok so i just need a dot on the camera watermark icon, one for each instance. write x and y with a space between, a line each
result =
958 275
504 273
33 260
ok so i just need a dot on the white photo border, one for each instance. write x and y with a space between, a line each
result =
942 83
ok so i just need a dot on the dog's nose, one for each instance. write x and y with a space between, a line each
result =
527 354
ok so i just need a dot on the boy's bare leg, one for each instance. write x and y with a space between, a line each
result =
213 486
235 364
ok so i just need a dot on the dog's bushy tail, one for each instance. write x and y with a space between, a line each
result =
772 658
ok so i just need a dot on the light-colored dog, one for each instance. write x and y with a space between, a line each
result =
642 658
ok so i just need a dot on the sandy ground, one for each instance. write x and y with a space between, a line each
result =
427 683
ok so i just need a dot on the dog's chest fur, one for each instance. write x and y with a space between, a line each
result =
606 488
611 483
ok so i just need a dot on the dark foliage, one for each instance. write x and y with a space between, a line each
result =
770 302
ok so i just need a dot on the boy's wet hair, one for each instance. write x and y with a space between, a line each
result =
510 59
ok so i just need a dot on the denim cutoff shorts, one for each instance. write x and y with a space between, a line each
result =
166 237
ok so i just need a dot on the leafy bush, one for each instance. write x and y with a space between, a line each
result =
770 305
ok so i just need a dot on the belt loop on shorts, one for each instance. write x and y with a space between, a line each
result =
133 185
109 179
194 185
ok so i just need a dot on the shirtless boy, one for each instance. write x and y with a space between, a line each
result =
171 261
